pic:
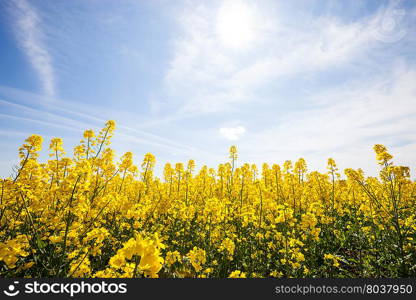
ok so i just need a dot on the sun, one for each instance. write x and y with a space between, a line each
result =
235 24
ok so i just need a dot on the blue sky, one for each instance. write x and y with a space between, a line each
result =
187 79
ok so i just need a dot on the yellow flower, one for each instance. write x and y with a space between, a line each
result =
333 258
105 217
89 133
228 246
237 274
117 261
197 258
172 257
276 274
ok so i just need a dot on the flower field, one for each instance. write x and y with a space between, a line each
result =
92 216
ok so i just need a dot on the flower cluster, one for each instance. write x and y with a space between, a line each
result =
92 215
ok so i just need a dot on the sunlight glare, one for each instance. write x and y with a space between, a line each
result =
235 24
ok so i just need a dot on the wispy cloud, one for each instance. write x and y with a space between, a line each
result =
316 88
365 113
68 116
213 78
292 82
31 38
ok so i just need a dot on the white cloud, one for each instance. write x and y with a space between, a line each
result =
33 109
343 116
232 133
204 76
366 113
31 39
